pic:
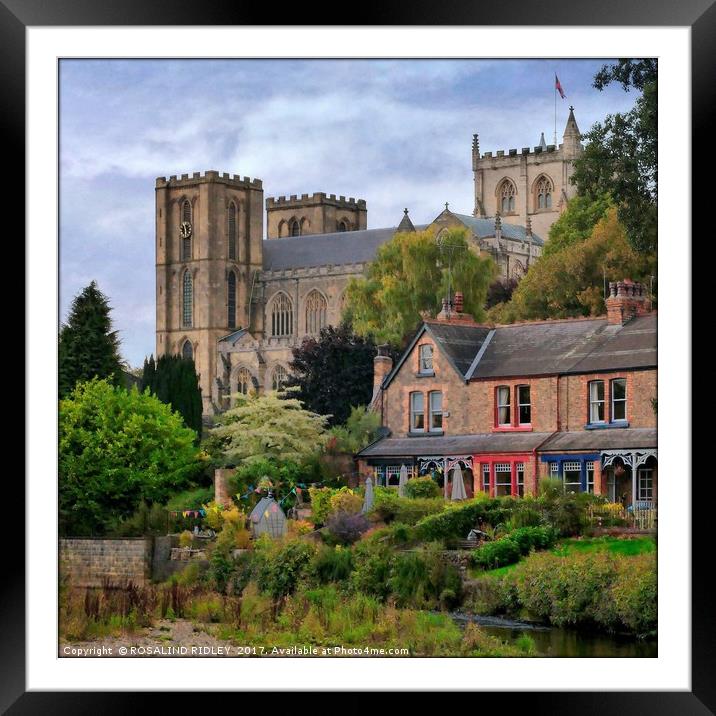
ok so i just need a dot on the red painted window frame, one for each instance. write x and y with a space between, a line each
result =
513 459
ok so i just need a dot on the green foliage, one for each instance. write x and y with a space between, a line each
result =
117 448
422 487
281 567
332 564
190 499
320 503
345 528
457 521
388 506
221 562
272 426
372 568
569 282
282 475
620 157
577 223
146 520
88 347
408 279
334 372
360 429
174 381
509 549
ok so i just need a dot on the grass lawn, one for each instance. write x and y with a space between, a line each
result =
627 547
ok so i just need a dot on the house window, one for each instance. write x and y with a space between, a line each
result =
282 316
572 476
507 197
503 406
392 474
279 377
417 413
231 300
520 469
524 407
187 300
619 399
589 467
436 411
596 401
316 310
544 191
244 382
187 350
379 475
231 231
426 359
645 484
503 479
486 477
554 470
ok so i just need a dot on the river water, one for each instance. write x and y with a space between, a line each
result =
558 642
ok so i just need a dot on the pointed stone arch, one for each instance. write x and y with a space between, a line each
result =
280 315
316 311
543 193
506 195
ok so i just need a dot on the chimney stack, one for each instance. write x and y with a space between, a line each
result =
458 302
626 300
382 365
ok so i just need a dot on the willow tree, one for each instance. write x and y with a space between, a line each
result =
409 278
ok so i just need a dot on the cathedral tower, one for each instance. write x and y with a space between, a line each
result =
208 250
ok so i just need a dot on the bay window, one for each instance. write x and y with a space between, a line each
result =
503 479
572 476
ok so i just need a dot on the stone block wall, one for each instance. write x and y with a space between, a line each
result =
88 562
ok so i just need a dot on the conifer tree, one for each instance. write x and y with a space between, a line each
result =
88 347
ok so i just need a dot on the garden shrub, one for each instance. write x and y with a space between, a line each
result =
386 503
457 521
346 528
332 565
320 503
146 520
422 487
529 538
372 568
345 500
495 554
280 567
185 539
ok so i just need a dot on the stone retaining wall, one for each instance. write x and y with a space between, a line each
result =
88 562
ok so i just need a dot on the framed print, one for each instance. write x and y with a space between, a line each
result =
356 334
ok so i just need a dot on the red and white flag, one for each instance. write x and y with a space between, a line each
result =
558 87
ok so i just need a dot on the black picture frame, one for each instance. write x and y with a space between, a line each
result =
699 15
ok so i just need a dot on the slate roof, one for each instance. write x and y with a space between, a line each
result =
460 342
454 445
341 247
484 228
605 439
233 337
568 346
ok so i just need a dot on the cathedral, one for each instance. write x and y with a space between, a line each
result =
238 303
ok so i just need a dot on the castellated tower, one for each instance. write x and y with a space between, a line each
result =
316 213
208 251
530 183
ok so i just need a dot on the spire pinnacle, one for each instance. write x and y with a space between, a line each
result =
406 224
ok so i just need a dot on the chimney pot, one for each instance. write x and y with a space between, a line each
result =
626 299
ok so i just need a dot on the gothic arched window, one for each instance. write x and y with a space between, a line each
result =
187 350
231 231
244 381
187 300
316 309
186 234
282 316
543 193
294 228
231 298
280 374
506 197
342 226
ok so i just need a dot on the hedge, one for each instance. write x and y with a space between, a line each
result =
456 522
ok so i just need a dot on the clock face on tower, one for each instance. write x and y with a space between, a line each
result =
185 229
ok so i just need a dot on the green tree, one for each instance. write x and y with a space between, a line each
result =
408 279
270 426
576 224
570 282
116 449
620 158
334 372
359 430
174 381
88 346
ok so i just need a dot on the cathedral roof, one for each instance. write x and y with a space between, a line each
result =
484 228
342 247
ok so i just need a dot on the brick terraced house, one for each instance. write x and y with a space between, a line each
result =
572 399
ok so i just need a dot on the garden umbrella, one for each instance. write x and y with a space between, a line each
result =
368 499
458 486
403 479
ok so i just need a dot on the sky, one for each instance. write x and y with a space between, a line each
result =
397 133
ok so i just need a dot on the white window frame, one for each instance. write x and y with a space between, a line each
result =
435 413
486 477
520 476
623 400
571 466
414 412
506 390
589 469
392 472
645 473
596 402
425 361
521 405
500 470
